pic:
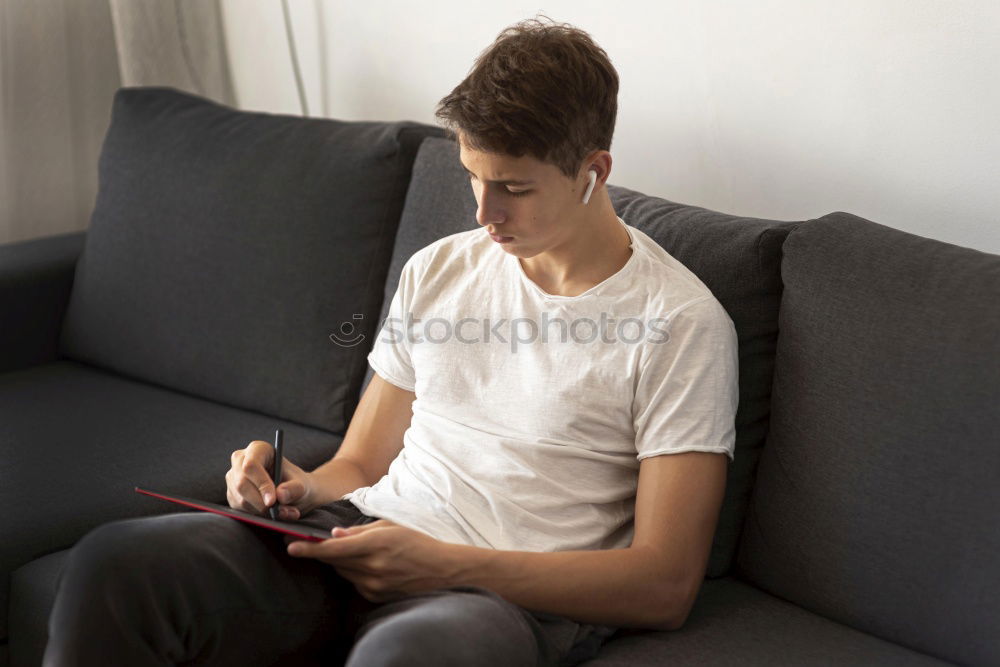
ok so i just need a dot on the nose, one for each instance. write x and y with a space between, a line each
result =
489 212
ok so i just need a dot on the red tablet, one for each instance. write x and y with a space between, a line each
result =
292 528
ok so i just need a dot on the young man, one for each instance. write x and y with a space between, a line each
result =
540 458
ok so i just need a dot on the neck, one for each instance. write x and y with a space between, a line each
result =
595 248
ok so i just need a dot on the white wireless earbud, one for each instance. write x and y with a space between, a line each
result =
590 187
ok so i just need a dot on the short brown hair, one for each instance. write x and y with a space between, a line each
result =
546 90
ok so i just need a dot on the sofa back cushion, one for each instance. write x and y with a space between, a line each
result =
227 246
877 493
737 258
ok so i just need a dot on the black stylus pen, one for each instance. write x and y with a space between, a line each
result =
276 473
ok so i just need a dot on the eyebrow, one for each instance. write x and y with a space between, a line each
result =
505 182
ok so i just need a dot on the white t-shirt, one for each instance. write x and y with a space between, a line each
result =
533 443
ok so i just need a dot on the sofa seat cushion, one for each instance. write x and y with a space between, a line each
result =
737 258
76 441
226 247
877 494
734 623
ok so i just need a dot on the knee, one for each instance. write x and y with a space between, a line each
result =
107 548
458 626
119 549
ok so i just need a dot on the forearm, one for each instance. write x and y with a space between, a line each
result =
617 587
335 478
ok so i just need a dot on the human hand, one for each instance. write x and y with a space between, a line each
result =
249 486
382 559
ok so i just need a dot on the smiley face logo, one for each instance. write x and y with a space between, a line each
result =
344 339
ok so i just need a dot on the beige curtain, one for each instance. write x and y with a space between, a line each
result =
178 43
60 64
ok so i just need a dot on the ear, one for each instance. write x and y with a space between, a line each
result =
599 161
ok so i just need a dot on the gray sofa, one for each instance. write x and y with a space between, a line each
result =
860 524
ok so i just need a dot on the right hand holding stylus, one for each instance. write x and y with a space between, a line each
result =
249 486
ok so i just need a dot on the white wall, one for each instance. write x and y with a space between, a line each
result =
784 109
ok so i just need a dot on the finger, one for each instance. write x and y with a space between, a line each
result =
258 488
343 531
234 496
365 527
290 491
335 548
257 466
300 548
288 513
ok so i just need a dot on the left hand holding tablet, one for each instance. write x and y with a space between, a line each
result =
383 559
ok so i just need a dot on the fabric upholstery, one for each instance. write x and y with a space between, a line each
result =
36 277
734 624
876 497
737 258
227 246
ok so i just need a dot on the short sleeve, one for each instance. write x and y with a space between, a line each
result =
391 356
688 387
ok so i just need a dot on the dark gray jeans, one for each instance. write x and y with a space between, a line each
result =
197 588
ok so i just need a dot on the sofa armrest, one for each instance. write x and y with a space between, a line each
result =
36 277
